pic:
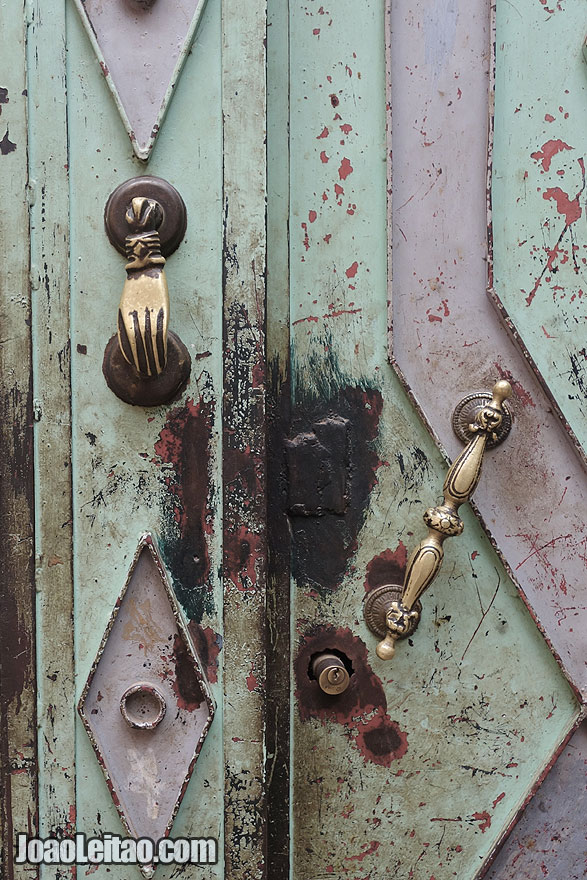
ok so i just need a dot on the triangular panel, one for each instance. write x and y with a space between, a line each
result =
141 46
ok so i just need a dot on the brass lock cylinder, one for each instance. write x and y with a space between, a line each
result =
330 673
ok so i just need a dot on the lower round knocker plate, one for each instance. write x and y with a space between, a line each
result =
377 605
128 384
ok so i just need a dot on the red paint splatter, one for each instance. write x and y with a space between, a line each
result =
251 680
570 209
552 256
316 31
327 238
338 312
484 820
346 128
433 317
474 554
367 848
313 318
323 134
548 118
345 169
499 798
352 270
306 238
339 191
324 158
335 313
312 216
548 151
520 392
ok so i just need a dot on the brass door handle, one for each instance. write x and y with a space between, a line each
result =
393 612
145 363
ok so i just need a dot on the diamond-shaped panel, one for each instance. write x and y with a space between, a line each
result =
141 46
146 705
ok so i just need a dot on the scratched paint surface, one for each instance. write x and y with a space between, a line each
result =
540 169
549 839
18 746
422 763
138 469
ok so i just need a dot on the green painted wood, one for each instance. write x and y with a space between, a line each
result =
539 193
18 746
244 28
278 531
49 223
136 468
425 770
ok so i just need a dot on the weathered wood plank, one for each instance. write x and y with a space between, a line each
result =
244 472
52 388
278 416
138 468
18 749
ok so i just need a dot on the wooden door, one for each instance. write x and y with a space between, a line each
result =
424 763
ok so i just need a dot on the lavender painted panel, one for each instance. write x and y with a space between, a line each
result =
141 51
550 840
447 338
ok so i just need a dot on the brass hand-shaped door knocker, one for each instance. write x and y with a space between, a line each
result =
145 363
392 612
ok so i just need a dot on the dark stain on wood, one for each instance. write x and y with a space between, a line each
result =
6 145
388 567
186 685
361 709
278 617
17 594
208 645
361 408
184 451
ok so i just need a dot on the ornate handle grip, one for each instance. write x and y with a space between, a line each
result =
401 612
145 363
143 314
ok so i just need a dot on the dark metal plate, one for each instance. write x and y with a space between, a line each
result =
173 226
128 384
